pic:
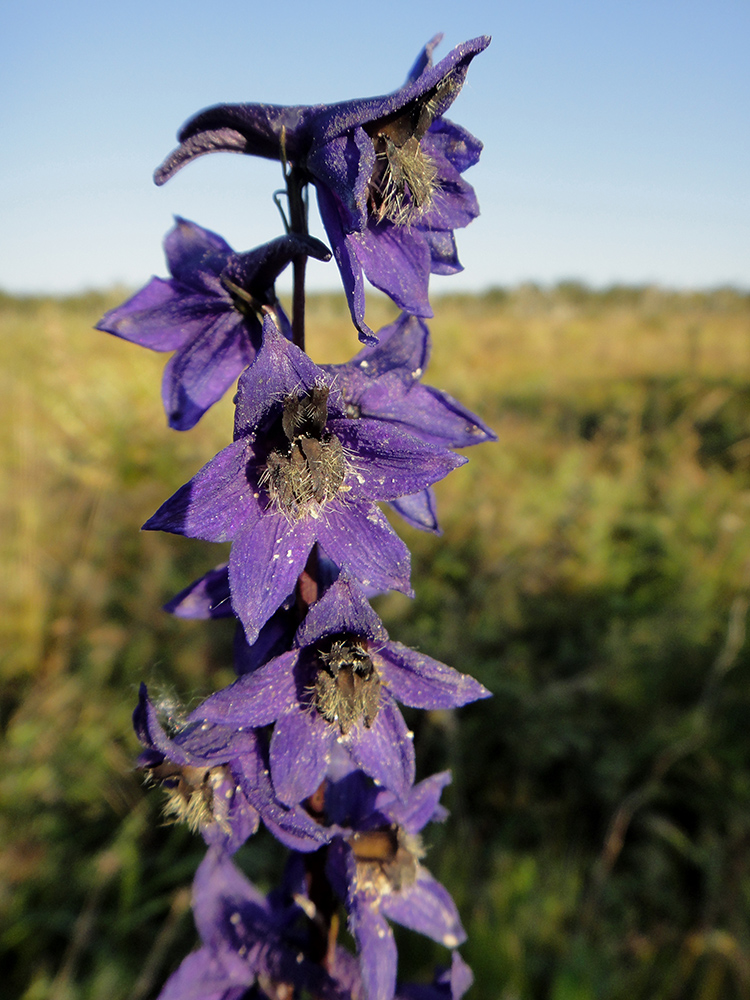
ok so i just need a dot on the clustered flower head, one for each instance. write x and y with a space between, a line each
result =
309 741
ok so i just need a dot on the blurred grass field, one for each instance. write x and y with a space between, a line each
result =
594 573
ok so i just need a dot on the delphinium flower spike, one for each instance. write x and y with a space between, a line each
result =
387 171
309 740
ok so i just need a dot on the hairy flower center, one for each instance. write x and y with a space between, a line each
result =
309 468
190 792
403 181
347 687
405 177
387 858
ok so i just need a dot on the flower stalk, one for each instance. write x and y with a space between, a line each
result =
309 740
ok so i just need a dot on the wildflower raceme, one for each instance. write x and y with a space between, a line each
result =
309 741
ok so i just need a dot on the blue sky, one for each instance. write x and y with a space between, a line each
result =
617 134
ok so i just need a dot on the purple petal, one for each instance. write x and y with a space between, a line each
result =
345 166
274 638
457 145
426 907
421 682
403 347
385 751
217 502
159 316
255 699
293 827
359 539
388 462
443 252
202 976
419 510
280 368
300 751
196 256
377 949
422 805
205 598
424 59
343 608
460 977
421 410
397 261
346 259
335 119
200 372
454 205
264 564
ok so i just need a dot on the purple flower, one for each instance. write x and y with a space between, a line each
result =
246 938
382 382
338 686
217 781
377 872
300 473
387 171
209 313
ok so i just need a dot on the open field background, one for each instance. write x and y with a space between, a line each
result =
594 572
